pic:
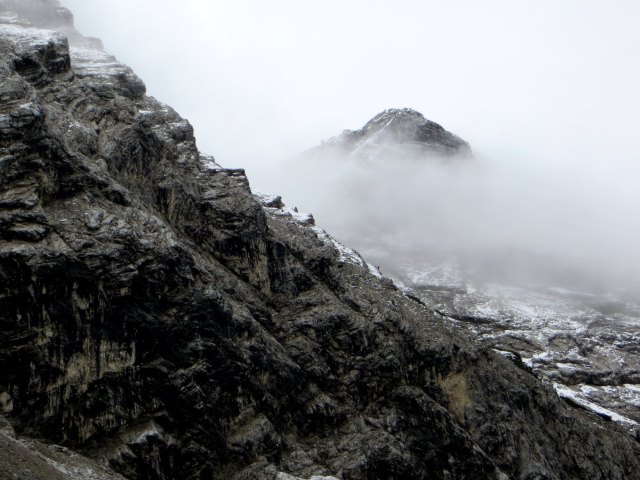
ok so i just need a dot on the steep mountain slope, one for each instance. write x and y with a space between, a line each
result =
156 315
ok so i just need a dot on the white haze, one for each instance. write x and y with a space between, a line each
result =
546 93
512 221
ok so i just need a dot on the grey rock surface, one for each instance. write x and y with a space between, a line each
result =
157 317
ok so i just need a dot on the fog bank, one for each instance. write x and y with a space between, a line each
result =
506 219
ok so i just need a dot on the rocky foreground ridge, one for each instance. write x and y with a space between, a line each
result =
159 322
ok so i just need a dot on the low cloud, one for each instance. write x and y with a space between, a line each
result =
505 219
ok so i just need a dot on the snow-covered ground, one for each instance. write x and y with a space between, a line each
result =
286 476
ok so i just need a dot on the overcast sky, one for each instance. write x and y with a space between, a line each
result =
543 80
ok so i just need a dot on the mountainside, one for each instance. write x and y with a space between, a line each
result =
529 305
586 343
159 321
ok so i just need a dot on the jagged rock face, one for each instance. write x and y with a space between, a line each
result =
397 134
156 315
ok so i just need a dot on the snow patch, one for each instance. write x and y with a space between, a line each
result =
346 254
145 435
30 36
286 476
506 354
570 394
209 162
88 62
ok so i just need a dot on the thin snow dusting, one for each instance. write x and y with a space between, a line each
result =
269 202
346 254
13 19
266 198
576 397
209 162
506 354
74 467
29 36
286 476
371 143
585 341
89 62
306 220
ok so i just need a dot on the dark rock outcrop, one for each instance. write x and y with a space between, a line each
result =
156 315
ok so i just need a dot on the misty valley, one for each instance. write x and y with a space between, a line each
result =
454 231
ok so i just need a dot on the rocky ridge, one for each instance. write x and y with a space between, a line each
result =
159 319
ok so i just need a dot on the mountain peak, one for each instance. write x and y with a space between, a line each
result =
393 114
403 132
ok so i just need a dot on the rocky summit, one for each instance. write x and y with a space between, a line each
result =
159 321
395 133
